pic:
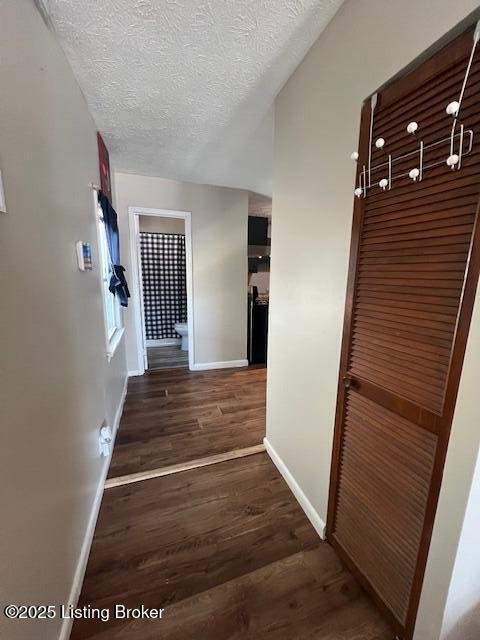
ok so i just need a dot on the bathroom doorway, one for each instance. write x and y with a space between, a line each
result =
162 258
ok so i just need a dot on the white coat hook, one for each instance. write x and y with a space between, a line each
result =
460 146
452 108
421 160
413 174
354 155
383 184
412 127
379 143
452 160
361 181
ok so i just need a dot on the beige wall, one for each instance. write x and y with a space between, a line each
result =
219 246
462 614
316 128
154 224
56 386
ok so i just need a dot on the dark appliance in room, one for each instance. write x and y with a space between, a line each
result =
257 327
258 231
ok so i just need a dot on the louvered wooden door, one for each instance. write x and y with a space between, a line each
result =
413 273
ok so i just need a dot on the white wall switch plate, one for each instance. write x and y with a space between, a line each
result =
3 204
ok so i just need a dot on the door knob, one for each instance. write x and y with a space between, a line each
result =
348 382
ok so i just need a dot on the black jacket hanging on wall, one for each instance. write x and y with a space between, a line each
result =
118 284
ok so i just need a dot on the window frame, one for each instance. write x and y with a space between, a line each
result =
110 303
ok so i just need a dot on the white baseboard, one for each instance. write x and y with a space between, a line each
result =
163 342
310 511
226 364
77 583
135 372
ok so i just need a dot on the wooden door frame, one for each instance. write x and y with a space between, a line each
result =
441 425
139 317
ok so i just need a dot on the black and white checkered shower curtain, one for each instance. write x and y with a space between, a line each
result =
164 283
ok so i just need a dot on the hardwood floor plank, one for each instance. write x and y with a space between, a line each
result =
174 416
155 452
183 466
281 601
233 417
228 552
225 549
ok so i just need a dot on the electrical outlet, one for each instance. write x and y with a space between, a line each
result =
105 440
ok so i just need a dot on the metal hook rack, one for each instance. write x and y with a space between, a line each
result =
366 173
454 160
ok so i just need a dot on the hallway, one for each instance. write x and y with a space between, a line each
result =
190 188
225 549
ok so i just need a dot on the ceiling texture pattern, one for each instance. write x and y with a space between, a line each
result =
184 89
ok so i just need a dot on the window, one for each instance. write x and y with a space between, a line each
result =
112 309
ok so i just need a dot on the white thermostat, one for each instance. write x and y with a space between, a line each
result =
84 256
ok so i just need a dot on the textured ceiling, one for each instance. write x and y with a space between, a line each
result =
184 89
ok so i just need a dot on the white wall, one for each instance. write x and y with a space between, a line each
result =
56 386
155 224
219 245
317 118
462 614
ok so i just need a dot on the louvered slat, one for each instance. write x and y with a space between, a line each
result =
383 485
442 278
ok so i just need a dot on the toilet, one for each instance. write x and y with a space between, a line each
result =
182 329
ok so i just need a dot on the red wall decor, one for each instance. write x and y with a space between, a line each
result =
104 165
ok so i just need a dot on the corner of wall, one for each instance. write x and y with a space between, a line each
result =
312 514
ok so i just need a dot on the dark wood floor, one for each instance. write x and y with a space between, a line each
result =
229 554
175 415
